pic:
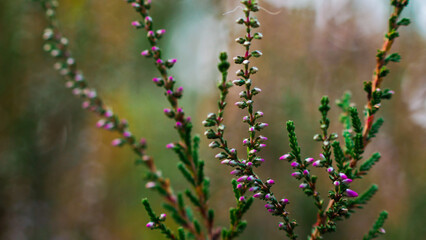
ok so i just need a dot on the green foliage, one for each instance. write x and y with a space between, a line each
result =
356 121
377 227
339 156
365 166
364 197
294 145
344 103
375 128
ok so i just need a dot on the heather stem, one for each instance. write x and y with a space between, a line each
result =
58 46
183 124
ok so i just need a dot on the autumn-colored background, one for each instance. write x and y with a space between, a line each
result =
60 178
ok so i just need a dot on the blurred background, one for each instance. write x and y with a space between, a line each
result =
60 178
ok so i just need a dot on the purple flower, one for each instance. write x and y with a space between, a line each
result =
330 169
150 225
303 185
305 172
235 172
136 24
285 201
347 180
281 225
253 189
316 163
296 174
246 141
309 160
148 19
249 164
285 157
242 178
161 31
100 123
268 196
85 104
239 186
242 199
108 114
170 145
294 164
162 217
262 138
226 161
127 134
351 193
257 195
336 183
270 182
117 142
250 178
145 53
150 184
343 176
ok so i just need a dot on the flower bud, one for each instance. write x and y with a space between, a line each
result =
150 225
117 142
295 164
285 157
256 53
351 193
214 144
238 82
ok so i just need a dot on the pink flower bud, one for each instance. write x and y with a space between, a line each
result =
336 183
296 174
303 185
170 145
150 184
100 123
309 160
294 164
145 53
258 195
270 182
242 179
305 172
242 199
285 157
351 193
127 134
317 163
343 176
347 180
162 217
136 24
330 169
117 142
150 225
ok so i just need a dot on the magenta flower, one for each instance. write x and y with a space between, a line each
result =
351 193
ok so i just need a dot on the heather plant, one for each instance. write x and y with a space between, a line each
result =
342 158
